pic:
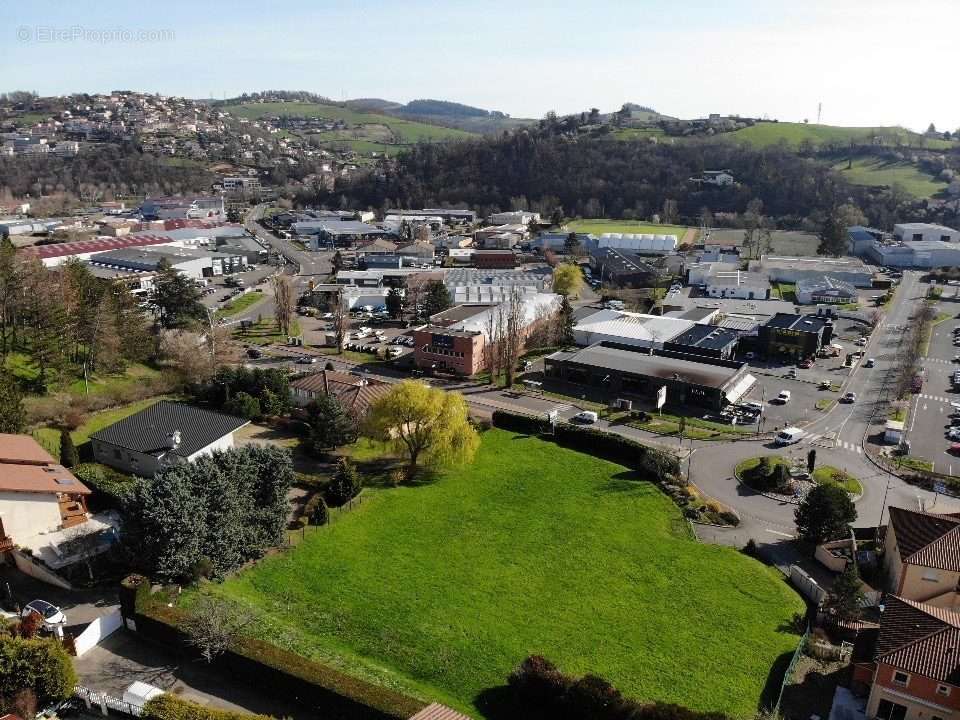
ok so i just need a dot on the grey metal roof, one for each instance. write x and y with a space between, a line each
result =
706 336
147 431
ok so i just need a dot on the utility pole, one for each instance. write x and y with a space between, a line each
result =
819 110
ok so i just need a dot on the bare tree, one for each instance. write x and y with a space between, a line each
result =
214 624
513 339
284 302
490 352
875 318
339 321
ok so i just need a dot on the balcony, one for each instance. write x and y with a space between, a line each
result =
6 544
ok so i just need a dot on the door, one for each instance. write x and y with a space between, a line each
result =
887 710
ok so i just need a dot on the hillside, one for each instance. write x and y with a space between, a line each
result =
770 133
876 172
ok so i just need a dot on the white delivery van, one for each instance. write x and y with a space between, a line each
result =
789 436
587 417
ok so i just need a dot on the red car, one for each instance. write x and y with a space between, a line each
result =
954 449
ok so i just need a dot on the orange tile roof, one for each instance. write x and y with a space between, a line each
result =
23 449
27 467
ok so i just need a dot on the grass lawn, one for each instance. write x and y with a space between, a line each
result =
241 303
441 589
359 358
828 474
785 291
913 463
696 428
597 226
825 404
770 133
750 463
264 332
49 438
875 172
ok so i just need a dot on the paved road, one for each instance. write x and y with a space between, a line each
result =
314 266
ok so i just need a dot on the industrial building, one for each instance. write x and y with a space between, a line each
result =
195 264
710 341
793 269
628 328
644 244
738 284
624 372
329 233
825 290
794 336
923 254
197 208
622 268
494 259
919 232
514 217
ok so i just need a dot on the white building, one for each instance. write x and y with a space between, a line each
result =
627 328
514 217
825 290
241 184
163 434
913 232
738 284
643 243
720 178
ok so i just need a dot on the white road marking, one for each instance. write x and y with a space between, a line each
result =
777 532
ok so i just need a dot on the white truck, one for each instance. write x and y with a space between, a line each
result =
789 436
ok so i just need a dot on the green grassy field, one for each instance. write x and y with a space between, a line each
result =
408 131
441 589
241 303
597 226
828 474
874 172
769 133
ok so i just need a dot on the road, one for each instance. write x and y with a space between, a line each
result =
309 265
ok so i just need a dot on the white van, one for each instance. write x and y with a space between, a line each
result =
587 417
784 397
789 436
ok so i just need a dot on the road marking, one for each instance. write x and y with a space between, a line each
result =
777 532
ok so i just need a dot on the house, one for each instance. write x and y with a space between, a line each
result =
911 664
355 394
37 494
163 434
914 232
515 217
922 557
720 178
825 290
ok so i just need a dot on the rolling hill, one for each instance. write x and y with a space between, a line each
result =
771 133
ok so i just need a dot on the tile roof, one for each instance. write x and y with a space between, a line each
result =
436 711
926 539
920 639
100 244
353 393
27 467
147 431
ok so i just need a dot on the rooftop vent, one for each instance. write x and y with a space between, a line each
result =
173 440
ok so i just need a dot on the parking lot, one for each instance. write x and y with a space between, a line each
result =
930 409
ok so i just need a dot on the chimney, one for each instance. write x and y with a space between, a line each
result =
173 440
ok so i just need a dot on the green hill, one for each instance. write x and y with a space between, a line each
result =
771 133
873 172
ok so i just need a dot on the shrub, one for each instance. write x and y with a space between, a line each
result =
520 423
170 707
481 424
39 666
316 510
751 548
109 486
729 518
69 457
243 405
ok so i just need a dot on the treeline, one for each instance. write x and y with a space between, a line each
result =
66 321
561 175
99 172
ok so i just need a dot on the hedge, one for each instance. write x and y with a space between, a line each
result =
108 485
655 464
340 696
170 707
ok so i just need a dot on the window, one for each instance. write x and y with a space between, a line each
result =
887 710
931 575
943 690
900 678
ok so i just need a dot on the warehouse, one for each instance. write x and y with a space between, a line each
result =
628 328
624 372
825 290
924 254
737 284
622 268
914 232
643 244
794 336
793 269
709 341
195 264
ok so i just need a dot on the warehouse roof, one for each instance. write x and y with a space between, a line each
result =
616 359
635 326
805 323
709 337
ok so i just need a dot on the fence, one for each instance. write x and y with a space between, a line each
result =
789 673
807 586
96 631
106 703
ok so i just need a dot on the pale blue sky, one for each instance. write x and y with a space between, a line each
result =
870 62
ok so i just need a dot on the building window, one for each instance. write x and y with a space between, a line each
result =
887 710
901 678
943 690
931 575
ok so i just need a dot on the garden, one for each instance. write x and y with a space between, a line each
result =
774 473
442 586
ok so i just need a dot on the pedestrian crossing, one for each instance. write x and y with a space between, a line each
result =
939 361
829 442
937 398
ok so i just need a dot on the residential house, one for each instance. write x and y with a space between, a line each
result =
911 664
37 494
922 557
355 394
163 434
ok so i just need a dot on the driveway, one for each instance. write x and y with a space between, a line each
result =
81 606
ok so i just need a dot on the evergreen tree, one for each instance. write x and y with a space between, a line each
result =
344 485
846 595
69 457
566 320
825 514
13 417
177 298
437 298
394 303
833 235
330 425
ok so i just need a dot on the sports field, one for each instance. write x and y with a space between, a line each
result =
441 589
597 226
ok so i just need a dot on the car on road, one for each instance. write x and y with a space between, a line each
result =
789 436
870 362
306 360
791 374
824 385
805 364
861 342
50 615
784 397
849 397
954 449
587 417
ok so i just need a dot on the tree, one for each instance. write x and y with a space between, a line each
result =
825 514
833 235
566 322
69 457
340 321
336 263
670 211
319 512
330 425
426 424
437 298
35 672
572 245
811 460
394 303
846 595
214 624
344 485
567 279
176 297
12 413
244 405
284 303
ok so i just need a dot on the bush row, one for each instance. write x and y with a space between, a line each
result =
539 690
109 486
170 707
653 464
288 675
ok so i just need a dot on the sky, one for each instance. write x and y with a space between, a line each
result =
869 62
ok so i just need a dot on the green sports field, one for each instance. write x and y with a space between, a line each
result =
597 226
441 589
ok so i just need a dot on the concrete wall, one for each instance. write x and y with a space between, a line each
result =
146 465
102 627
26 514
27 566
891 560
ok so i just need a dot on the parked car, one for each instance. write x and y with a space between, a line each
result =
953 434
870 362
861 342
50 615
254 352
587 417
824 385
805 364
791 374
784 397
306 360
954 449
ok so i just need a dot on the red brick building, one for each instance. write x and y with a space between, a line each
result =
494 259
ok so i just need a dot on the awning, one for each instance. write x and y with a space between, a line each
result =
741 388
